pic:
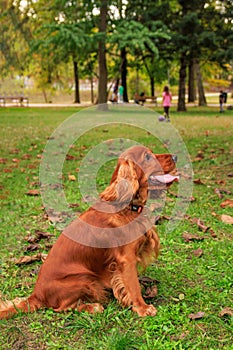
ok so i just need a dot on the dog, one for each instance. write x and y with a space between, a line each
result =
116 237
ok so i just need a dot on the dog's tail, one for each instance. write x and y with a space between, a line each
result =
10 308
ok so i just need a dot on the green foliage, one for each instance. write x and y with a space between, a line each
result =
137 38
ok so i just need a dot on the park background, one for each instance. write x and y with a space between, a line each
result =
75 51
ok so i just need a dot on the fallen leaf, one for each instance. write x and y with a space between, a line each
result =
70 157
224 190
26 156
227 219
73 205
218 193
3 160
38 236
198 252
188 237
71 178
48 246
198 182
145 280
230 174
196 316
29 259
41 234
226 311
15 160
151 292
15 151
200 154
202 226
32 247
227 203
33 193
212 233
32 166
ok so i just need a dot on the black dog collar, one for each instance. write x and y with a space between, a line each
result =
137 208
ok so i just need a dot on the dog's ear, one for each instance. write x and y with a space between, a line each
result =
124 183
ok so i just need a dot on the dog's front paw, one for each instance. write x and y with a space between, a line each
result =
147 310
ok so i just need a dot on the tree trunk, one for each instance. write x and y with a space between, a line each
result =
103 74
192 96
124 73
152 85
201 92
76 83
92 89
182 81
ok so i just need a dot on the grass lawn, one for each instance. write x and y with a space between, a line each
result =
195 278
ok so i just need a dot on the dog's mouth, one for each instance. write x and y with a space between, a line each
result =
162 180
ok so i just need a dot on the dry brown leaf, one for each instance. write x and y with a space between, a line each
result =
31 239
29 259
226 311
70 157
72 178
151 292
198 182
41 234
227 203
32 247
227 219
15 160
33 193
200 155
188 237
145 280
26 156
198 252
218 193
196 316
3 160
200 224
73 205
15 151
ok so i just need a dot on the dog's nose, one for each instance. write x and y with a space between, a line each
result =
174 158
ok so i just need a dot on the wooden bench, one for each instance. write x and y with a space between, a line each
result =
142 99
18 99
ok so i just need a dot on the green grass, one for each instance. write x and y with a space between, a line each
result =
186 283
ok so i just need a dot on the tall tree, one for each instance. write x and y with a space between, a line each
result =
137 40
103 73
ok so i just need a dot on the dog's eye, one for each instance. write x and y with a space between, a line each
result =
148 156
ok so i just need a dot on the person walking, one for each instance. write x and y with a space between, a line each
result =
167 99
120 93
221 100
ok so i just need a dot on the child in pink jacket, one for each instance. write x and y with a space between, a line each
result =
167 99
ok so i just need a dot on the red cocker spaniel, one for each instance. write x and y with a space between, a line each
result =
100 250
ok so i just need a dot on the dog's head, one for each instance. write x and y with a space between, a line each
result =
139 170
